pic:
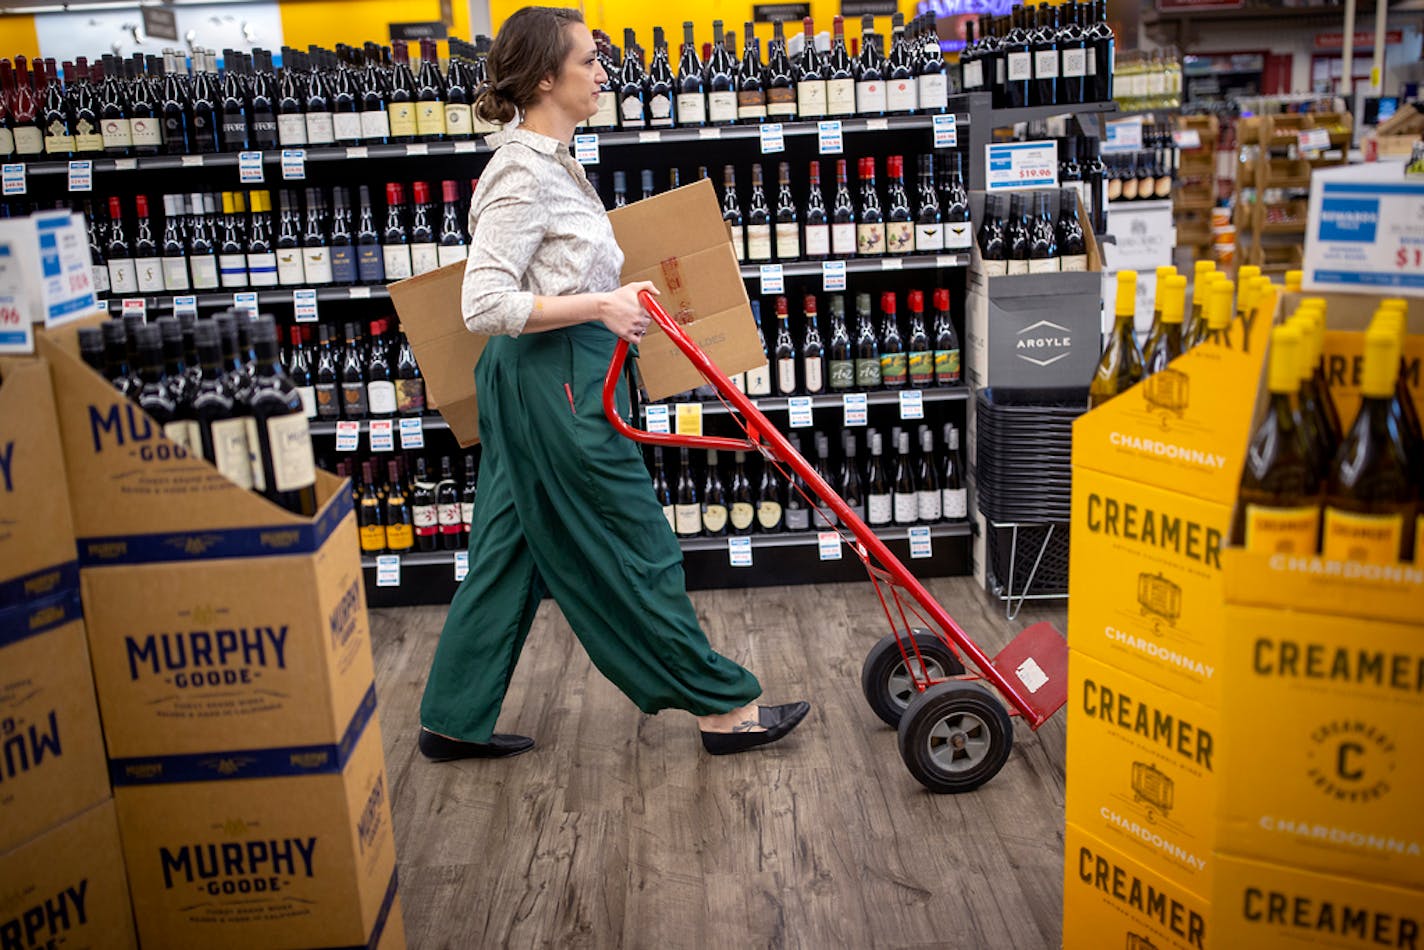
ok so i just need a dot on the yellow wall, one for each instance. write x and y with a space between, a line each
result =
328 22
18 38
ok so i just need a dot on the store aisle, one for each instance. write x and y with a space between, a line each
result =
618 831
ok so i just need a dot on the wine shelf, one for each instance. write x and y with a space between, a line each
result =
825 400
796 127
1002 118
428 423
864 265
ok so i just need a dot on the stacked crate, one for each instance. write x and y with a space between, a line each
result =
1195 193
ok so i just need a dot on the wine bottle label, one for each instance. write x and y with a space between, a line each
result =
786 376
448 515
739 382
842 374
254 454
722 106
815 380
101 278
879 509
781 102
232 268
929 238
811 98
291 129
946 367
906 507
687 519
818 240
921 365
660 110
321 128
410 396
204 269
375 125
768 514
230 453
458 120
353 400
840 97
399 537
395 260
262 270
955 502
175 273
467 514
691 108
842 239
759 380
631 110
1043 265
798 519
739 241
308 394
867 373
181 432
289 267
714 518
264 131
1075 63
30 141
424 258
1045 64
869 239
903 95
973 75
870 97
1282 530
430 117
758 242
958 236
427 520
293 466
402 117
1020 67
788 241
328 404
1000 71
343 264
1368 539
373 538
118 134
346 126
742 515
671 515
1016 267
57 141
381 396
316 265
995 268
900 237
150 275
930 505
751 104
894 368
450 253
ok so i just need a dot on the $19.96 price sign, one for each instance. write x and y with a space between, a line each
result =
1014 165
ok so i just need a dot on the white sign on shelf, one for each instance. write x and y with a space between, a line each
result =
773 281
81 175
462 565
833 275
946 130
658 419
348 435
1313 139
800 407
586 148
712 133
17 331
1122 135
356 151
185 305
304 303
1014 165
772 138
830 139
388 570
828 545
1365 232
1186 138
465 146
739 551
245 300
382 436
412 433
13 176
133 306
912 404
418 148
920 545
294 164
853 405
647 136
249 167
66 288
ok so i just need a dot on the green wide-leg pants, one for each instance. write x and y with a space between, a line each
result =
565 505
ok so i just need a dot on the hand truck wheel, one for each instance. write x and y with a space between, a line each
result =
955 736
886 680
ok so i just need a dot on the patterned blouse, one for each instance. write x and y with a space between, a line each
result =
536 227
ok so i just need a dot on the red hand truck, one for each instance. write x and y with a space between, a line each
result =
955 726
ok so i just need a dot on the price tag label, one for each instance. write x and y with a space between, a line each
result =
739 551
191 161
188 305
1366 232
830 139
912 404
658 420
418 148
466 146
586 148
877 125
356 151
1123 135
249 167
800 407
462 565
772 138
689 418
17 331
649 135
304 303
713 133
1313 139
1187 138
833 275
946 131
132 305
1014 165
412 434
348 435
920 545
13 177
247 301
125 164
951 260
382 437
828 545
388 570
772 279
853 405
891 263
359 293
294 164
81 175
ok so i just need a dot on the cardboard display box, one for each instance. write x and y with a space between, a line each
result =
271 862
37 556
445 349
51 747
1113 901
1392 593
66 888
1145 592
1324 770
1145 768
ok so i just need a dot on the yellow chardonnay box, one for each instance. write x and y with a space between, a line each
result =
1144 766
1264 906
1145 592
1389 592
1112 901
1326 759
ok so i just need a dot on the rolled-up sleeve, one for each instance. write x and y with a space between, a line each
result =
507 225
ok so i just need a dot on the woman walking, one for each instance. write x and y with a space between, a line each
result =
565 503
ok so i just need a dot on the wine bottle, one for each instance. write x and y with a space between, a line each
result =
661 88
663 490
25 110
1044 43
447 506
54 114
261 103
354 404
929 226
901 90
1042 242
261 255
785 351
904 491
1016 236
424 252
232 105
400 97
155 396
1073 56
342 253
817 223
468 492
788 230
218 423
1392 316
288 244
758 220
1102 55
299 368
932 75
780 78
879 504
732 212
930 496
770 512
380 376
370 518
843 224
278 436
345 99
842 358
813 375
316 256
1164 340
796 512
99 264
870 222
326 381
1068 233
291 103
971 61
894 362
811 76
714 500
741 508
721 81
371 88
953 494
851 487
825 517
203 103
632 105
751 82
117 368
1120 367
148 267
1018 56
429 95
174 249
870 93
1216 329
451 240
867 347
921 356
687 511
691 95
899 218
410 382
395 242
425 512
1310 414
398 519
84 108
321 120
232 246
840 74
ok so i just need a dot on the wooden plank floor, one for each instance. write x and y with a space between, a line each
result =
618 831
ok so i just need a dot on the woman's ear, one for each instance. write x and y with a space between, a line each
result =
547 83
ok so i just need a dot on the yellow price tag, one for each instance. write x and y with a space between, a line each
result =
689 418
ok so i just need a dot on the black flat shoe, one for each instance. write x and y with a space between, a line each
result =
440 749
776 720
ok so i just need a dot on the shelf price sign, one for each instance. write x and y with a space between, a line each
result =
1366 231
829 136
412 435
912 404
1013 165
294 164
348 435
946 130
185 305
833 275
689 418
773 139
920 544
658 420
249 168
739 551
382 438
462 565
586 148
773 280
853 405
800 407
304 305
14 178
828 545
388 570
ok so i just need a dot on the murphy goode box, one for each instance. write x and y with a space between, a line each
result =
289 849
67 889
51 747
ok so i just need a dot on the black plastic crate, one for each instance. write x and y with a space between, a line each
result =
1035 569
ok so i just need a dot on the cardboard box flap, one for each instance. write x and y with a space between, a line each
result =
429 307
690 220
